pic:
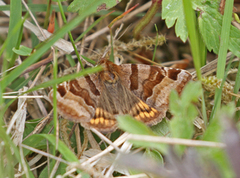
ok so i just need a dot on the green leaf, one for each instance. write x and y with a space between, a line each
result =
162 128
210 27
60 170
23 51
131 125
184 112
210 23
191 93
155 155
234 41
62 148
32 124
172 11
98 5
21 81
70 60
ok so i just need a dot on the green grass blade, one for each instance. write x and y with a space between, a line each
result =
65 78
55 120
41 50
70 35
88 59
225 33
35 8
14 21
217 97
10 155
197 45
155 48
224 39
194 36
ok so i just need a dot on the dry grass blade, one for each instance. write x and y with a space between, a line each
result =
17 123
117 142
211 66
175 141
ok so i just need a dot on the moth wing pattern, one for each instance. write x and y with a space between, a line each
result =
141 91
76 100
153 84
103 121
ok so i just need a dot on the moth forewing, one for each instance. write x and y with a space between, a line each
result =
136 89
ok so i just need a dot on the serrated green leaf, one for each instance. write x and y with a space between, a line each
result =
234 41
172 11
210 23
81 5
210 27
23 51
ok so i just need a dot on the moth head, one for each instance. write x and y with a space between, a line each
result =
109 77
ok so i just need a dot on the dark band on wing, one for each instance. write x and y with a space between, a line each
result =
62 90
134 77
173 73
155 77
75 88
92 86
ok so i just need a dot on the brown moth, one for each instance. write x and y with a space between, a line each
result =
136 89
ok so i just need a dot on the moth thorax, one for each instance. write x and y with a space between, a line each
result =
110 77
